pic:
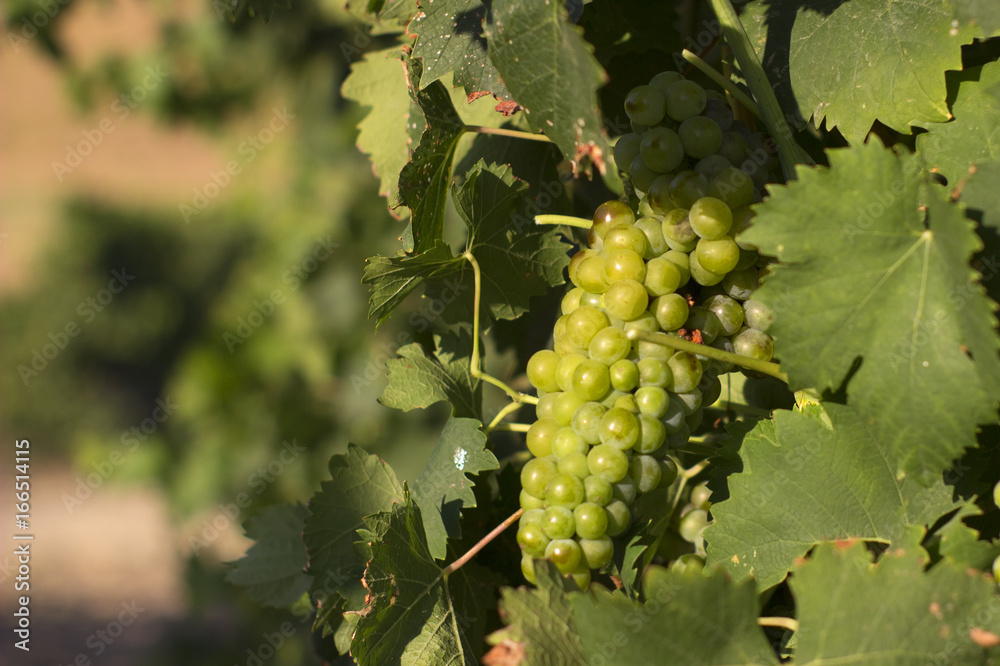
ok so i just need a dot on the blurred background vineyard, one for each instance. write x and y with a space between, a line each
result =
242 335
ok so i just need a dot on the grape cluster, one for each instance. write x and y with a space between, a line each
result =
612 408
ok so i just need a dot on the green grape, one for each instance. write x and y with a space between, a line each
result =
700 136
642 176
625 300
571 300
619 428
539 437
595 300
668 472
683 100
653 229
645 349
701 496
652 401
996 494
619 517
598 489
740 284
567 441
581 575
679 438
559 522
564 553
686 187
610 214
532 517
535 475
702 275
690 402
611 398
996 569
664 80
626 402
717 109
692 524
563 347
597 552
645 105
528 568
677 231
725 344
645 472
584 323
530 502
687 372
705 322
758 315
626 490
643 209
733 147
658 195
662 276
566 368
532 540
673 418
711 218
545 403
645 322
689 564
564 490
574 464
542 370
652 433
606 461
590 276
681 260
591 521
742 219
654 372
626 150
671 311
728 312
711 389
733 187
565 406
587 422
626 237
718 256
576 261
711 165
753 343
748 259
624 375
661 149
620 264
591 381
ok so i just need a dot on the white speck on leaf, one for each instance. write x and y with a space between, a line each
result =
461 455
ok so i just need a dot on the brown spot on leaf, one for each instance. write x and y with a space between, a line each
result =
591 151
507 107
983 638
507 653
945 631
935 609
472 97
736 559
844 544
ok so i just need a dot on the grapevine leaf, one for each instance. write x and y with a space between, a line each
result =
551 72
963 546
450 38
942 616
974 134
980 194
394 14
271 572
395 278
377 82
444 488
851 63
685 620
539 629
866 274
423 182
649 523
360 485
517 259
803 483
417 380
984 15
415 613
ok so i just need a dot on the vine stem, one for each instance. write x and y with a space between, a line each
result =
765 367
568 220
726 84
513 427
791 624
686 476
501 415
514 134
789 151
457 564
475 368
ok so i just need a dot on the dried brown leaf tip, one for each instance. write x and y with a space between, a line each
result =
507 653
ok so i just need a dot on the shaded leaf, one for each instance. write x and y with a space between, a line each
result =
417 380
963 545
803 483
444 487
395 278
360 485
866 274
273 570
893 612
551 72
